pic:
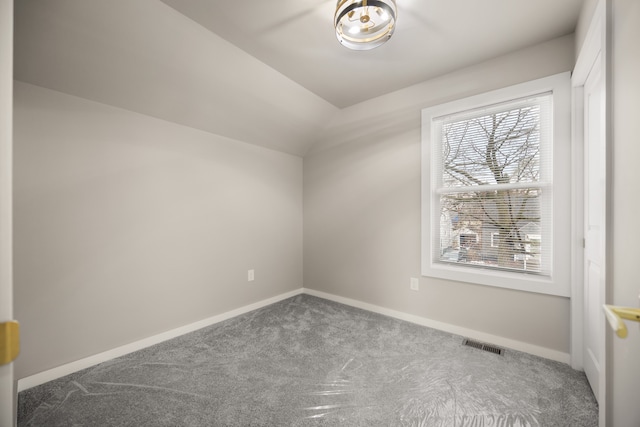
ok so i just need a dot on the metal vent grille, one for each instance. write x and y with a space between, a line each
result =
482 346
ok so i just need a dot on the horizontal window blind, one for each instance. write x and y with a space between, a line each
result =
492 184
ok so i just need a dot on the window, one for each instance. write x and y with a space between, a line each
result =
494 239
496 191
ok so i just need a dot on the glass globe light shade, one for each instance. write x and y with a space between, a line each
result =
364 24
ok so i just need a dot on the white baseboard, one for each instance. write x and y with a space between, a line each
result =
78 365
535 350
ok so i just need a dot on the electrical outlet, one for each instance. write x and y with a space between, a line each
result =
415 284
251 276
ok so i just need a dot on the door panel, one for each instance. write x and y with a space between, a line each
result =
594 221
593 348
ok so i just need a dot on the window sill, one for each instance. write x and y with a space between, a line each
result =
502 279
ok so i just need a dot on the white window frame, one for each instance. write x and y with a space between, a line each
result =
559 281
493 237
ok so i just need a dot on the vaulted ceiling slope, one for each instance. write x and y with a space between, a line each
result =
432 37
146 57
269 73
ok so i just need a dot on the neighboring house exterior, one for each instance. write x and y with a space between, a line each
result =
477 240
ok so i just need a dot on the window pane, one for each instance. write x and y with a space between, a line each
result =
492 229
502 147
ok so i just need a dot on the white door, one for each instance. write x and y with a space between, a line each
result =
7 392
594 228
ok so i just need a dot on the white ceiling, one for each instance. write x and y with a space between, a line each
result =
432 37
269 73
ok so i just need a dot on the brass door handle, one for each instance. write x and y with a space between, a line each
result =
615 315
9 341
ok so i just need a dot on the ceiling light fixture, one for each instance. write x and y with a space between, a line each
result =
364 24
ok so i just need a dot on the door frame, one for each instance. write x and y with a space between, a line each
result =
8 398
594 48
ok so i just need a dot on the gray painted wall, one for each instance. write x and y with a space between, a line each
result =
362 208
127 226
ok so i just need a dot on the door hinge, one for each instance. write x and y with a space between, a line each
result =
9 341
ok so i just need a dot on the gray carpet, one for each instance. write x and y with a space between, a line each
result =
306 361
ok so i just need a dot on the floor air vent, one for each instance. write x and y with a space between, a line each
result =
482 346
